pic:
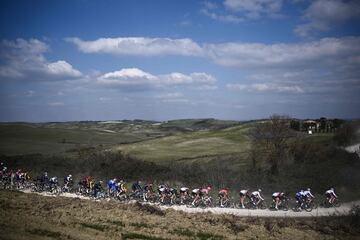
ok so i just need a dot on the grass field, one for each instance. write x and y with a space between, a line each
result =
30 216
54 138
189 146
17 139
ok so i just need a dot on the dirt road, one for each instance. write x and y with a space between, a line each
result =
319 212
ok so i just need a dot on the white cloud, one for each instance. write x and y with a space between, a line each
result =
137 78
62 68
254 8
139 46
24 59
236 11
324 52
222 18
265 87
322 15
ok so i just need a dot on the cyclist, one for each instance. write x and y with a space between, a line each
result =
300 198
97 187
136 188
172 195
162 189
243 194
88 184
121 187
67 182
330 195
204 194
44 180
223 196
277 198
256 197
148 190
53 183
110 185
184 192
308 195
195 193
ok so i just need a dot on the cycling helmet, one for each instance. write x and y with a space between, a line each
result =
259 190
309 189
70 175
332 189
209 188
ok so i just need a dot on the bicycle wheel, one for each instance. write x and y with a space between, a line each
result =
308 208
336 203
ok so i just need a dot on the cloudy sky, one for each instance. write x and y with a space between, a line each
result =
160 60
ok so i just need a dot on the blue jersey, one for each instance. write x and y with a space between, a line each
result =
110 184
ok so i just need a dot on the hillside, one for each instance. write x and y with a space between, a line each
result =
30 216
181 152
59 137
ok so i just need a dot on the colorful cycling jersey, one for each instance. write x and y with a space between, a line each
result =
205 191
111 184
300 194
256 194
223 192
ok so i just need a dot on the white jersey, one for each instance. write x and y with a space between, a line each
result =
196 190
162 189
244 192
276 194
308 194
256 194
53 179
330 192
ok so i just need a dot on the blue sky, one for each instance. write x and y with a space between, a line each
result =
160 60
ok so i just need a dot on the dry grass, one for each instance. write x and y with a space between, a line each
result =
30 216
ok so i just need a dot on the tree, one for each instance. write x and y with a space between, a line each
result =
346 134
270 140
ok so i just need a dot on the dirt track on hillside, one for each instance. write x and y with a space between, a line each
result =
344 209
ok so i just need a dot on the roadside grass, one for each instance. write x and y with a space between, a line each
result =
66 218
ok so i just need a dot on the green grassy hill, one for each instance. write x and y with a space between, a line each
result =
17 139
201 144
191 152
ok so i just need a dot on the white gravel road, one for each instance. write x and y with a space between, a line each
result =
319 212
